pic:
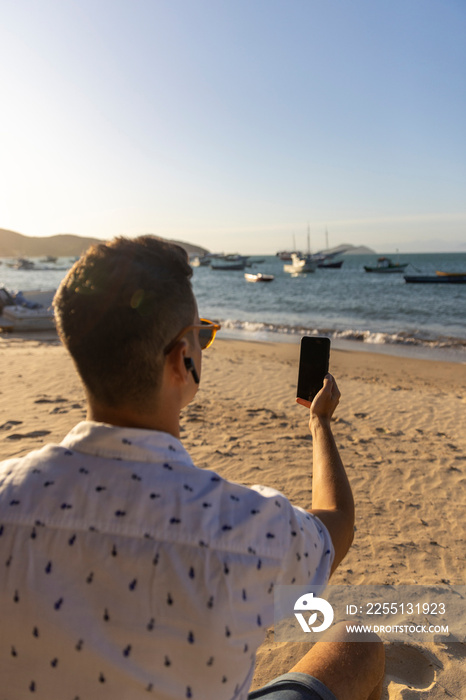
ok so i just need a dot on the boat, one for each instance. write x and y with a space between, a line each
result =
436 279
325 257
228 266
201 261
285 255
300 264
230 262
22 264
450 274
249 277
26 311
235 257
49 259
331 265
385 265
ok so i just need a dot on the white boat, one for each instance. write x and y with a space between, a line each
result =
201 261
26 311
249 277
300 263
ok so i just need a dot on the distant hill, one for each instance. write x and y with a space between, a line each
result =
348 249
63 245
14 244
68 245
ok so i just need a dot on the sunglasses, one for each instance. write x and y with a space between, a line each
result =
207 333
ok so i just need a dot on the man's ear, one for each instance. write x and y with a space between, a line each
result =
176 360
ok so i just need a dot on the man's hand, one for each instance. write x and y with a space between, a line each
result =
325 402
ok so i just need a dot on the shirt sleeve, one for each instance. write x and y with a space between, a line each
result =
309 554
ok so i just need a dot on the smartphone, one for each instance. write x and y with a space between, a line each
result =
313 366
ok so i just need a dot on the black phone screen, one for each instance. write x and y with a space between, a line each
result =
313 366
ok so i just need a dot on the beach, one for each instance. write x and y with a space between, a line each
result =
400 430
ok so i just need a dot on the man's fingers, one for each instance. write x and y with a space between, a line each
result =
329 392
335 390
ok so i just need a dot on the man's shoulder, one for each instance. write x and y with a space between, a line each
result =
16 469
41 454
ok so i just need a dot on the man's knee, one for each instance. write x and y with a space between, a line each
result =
352 669
368 644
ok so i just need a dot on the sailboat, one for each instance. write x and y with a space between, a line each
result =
326 257
302 263
285 255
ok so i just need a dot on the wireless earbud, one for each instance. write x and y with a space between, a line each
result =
189 364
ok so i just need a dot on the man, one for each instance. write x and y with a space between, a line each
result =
126 571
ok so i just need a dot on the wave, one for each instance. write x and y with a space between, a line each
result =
403 338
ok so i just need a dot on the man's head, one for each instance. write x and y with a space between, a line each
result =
116 311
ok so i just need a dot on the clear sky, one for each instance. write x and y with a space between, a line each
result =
235 124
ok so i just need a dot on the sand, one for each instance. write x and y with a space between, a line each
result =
400 427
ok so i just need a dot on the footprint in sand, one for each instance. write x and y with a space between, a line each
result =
410 666
256 411
10 424
33 434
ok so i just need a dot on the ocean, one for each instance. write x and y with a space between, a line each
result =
356 309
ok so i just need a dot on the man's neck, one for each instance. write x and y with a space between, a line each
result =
162 421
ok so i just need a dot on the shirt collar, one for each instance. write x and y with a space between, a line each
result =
132 444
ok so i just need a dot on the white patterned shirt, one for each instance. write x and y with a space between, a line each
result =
126 571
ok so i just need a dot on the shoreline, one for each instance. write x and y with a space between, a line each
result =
453 355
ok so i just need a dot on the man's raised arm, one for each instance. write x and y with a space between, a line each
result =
332 499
